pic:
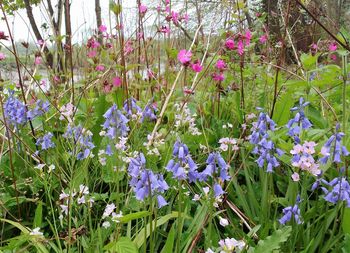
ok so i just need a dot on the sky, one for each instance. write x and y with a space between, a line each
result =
82 18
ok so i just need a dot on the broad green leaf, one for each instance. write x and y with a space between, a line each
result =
134 216
123 245
169 244
38 215
282 109
346 221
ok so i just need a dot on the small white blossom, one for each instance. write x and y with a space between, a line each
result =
223 222
36 231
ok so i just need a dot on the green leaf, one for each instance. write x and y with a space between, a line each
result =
123 245
346 247
169 244
282 109
134 216
346 221
38 215
272 242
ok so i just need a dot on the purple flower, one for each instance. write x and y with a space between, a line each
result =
215 165
130 107
15 111
82 140
39 109
264 147
334 143
218 191
144 182
149 113
340 191
300 121
46 141
115 123
182 165
291 211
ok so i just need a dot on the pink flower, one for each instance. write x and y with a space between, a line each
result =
248 37
56 79
175 17
240 47
314 46
220 64
37 60
185 18
143 9
41 43
165 29
100 67
150 74
230 44
102 28
92 54
184 56
117 81
92 43
219 77
197 67
333 57
128 47
263 39
332 47
295 177
2 56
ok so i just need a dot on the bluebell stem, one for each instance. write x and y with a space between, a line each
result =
46 141
144 182
40 108
299 122
333 146
182 165
340 191
115 123
82 139
291 211
264 147
15 111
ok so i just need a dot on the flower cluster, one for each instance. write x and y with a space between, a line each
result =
299 122
40 108
145 182
153 143
185 56
264 147
334 143
340 191
243 40
82 140
216 168
131 108
182 166
303 159
184 118
115 123
109 212
46 141
229 245
15 111
226 142
291 211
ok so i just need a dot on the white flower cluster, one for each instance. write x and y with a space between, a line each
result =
67 111
81 197
183 118
153 144
109 212
229 245
226 142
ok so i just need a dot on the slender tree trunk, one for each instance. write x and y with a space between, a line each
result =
29 10
98 18
68 47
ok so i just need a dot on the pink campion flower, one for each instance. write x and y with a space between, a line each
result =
167 2
230 44
167 8
56 79
333 57
142 9
197 67
41 43
2 56
248 37
117 81
140 35
92 43
219 77
159 8
3 36
150 74
175 17
333 47
185 18
263 39
128 47
92 54
184 56
100 67
314 46
165 29
109 45
220 64
37 60
240 47
102 28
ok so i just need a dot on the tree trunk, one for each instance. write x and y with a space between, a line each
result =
29 10
98 18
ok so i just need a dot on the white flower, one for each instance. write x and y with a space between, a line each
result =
81 200
83 189
64 195
36 231
40 166
196 197
116 217
51 168
231 244
106 224
295 177
209 250
206 190
67 111
223 222
108 210
64 209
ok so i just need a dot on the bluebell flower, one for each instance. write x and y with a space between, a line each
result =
115 123
82 140
264 147
182 165
15 111
299 122
130 107
218 191
334 146
40 108
340 191
149 113
291 211
215 165
46 141
144 182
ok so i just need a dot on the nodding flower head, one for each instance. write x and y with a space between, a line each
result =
216 167
299 122
291 211
340 191
130 107
115 123
15 111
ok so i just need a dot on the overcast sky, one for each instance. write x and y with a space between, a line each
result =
82 18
